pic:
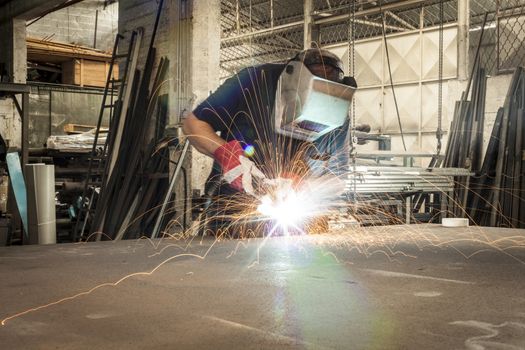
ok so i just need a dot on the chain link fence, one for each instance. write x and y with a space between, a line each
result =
260 31
255 32
502 48
511 34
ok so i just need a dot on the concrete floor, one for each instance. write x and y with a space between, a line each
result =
402 287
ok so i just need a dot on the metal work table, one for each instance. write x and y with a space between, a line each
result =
397 287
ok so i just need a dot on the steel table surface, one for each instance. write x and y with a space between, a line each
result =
397 287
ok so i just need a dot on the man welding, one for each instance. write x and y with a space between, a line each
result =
275 121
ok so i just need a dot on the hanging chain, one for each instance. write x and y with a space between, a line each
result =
439 132
351 72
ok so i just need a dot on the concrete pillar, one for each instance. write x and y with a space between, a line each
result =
13 59
14 49
180 54
308 24
206 44
463 38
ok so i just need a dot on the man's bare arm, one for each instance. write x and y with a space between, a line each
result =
201 135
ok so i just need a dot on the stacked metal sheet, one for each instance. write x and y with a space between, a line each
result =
497 195
399 180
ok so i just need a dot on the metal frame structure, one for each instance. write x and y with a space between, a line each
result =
255 31
270 31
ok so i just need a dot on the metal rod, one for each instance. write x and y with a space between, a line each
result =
25 130
439 131
392 82
95 34
308 23
400 20
271 14
371 11
474 66
238 17
283 27
155 231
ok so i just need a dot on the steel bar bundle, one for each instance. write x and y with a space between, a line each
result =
131 183
136 169
464 147
497 193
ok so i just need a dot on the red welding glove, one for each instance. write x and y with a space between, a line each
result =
237 170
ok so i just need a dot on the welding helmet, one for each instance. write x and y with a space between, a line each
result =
323 60
307 105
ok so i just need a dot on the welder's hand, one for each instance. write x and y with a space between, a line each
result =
237 170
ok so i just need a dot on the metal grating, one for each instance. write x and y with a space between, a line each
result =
502 48
257 31
511 34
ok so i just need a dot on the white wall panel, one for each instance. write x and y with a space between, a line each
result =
405 58
414 60
411 141
368 108
369 63
409 109
429 108
429 144
430 54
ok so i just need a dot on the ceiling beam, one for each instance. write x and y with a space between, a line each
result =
400 20
375 10
334 19
29 9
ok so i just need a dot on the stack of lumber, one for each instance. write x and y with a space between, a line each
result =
81 65
37 48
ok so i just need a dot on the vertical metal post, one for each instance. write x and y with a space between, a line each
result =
182 156
408 209
271 13
420 82
50 129
308 23
463 38
96 28
25 129
422 18
238 16
498 37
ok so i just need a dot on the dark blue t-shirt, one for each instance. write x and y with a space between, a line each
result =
242 109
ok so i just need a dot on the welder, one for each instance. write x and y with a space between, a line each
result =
275 120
